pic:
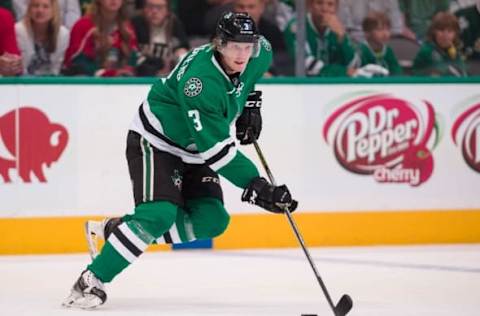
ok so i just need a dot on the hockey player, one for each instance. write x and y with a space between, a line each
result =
178 144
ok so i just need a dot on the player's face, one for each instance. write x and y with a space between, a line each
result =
156 11
41 11
235 56
444 38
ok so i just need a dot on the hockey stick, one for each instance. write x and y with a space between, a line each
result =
345 303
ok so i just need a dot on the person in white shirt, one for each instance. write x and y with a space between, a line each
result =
41 38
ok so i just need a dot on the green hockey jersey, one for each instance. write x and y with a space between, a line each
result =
191 113
335 55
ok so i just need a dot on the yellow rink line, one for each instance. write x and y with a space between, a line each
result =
42 235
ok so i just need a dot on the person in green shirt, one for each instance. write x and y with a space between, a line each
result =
179 143
328 47
374 52
440 54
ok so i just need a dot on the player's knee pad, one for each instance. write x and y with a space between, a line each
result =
220 226
209 217
155 218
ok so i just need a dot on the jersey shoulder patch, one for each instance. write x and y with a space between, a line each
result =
266 44
193 87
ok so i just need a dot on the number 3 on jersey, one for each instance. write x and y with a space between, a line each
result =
195 115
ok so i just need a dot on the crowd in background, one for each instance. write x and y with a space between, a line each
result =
355 38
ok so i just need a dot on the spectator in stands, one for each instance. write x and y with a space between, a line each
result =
418 14
282 63
329 51
353 12
102 43
469 20
69 11
10 59
374 57
41 38
278 13
161 38
439 55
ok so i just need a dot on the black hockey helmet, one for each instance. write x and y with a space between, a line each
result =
237 27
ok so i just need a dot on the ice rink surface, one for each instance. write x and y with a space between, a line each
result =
387 281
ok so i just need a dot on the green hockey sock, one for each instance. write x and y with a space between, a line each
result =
131 238
108 264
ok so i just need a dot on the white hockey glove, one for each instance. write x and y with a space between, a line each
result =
371 70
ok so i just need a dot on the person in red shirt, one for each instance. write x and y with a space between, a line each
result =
10 59
103 42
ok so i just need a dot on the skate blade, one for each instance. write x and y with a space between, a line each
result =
79 301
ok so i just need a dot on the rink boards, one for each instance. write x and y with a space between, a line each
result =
394 162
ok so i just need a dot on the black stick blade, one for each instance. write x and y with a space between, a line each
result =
344 305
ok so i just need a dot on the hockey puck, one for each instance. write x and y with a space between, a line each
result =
308 315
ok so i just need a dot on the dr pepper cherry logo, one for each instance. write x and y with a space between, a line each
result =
28 142
384 136
466 135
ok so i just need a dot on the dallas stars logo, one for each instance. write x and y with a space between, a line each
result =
193 87
177 179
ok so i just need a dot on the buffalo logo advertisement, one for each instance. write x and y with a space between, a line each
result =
28 142
466 135
384 136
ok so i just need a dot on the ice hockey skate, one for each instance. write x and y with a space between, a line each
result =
96 231
87 293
